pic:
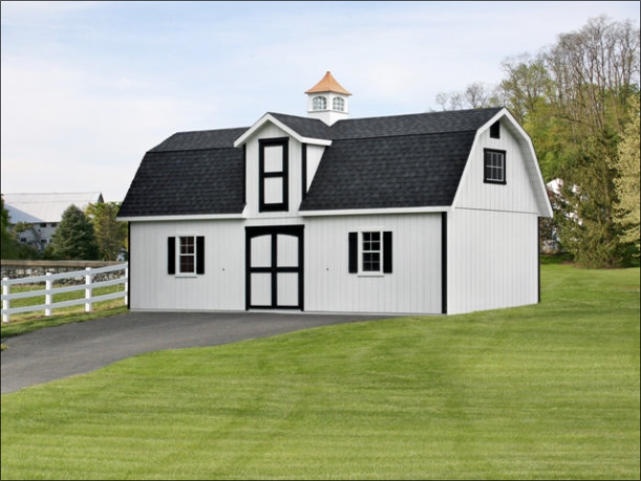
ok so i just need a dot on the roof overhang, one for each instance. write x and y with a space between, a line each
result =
161 218
270 118
380 211
535 172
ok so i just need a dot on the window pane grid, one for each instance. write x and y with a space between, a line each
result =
371 251
187 255
494 166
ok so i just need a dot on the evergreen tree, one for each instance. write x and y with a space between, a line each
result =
110 234
8 243
74 237
627 185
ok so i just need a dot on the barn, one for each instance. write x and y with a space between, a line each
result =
432 213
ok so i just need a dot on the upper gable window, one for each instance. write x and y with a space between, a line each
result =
495 130
338 104
273 174
319 103
494 166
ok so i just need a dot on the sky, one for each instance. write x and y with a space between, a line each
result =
88 87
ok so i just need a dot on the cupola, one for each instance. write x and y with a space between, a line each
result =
327 100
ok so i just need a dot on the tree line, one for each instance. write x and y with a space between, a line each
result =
579 101
91 235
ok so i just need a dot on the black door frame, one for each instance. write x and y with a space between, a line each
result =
294 230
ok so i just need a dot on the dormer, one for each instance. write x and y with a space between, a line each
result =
327 100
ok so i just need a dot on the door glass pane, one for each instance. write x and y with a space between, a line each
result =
261 251
261 289
287 288
287 250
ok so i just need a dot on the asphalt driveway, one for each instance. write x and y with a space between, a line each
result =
62 351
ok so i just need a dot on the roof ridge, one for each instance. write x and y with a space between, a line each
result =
406 135
152 151
417 114
206 130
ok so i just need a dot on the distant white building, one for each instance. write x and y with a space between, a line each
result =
43 212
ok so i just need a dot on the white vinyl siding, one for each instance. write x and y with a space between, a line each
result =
517 195
492 260
413 286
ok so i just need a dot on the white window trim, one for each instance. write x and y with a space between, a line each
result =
178 271
361 272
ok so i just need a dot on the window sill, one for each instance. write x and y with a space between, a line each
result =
370 274
186 276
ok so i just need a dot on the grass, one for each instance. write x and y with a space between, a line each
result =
548 392
31 321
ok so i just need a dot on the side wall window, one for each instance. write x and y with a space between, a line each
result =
494 166
370 252
187 254
273 175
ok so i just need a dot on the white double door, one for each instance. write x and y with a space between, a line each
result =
274 267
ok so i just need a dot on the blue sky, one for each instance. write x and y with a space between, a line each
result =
88 87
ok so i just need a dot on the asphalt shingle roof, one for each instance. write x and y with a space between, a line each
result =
396 161
187 182
394 171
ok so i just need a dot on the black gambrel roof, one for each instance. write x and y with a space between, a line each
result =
395 161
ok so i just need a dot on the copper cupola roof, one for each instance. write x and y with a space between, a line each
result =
328 84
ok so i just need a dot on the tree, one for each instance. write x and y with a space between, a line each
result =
74 237
475 96
627 185
111 235
8 242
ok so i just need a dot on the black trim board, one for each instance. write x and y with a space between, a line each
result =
244 174
444 262
303 149
128 265
255 231
283 174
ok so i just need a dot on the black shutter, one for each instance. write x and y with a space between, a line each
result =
353 252
200 255
387 252
171 255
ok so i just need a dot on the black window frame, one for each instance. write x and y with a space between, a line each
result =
486 156
283 174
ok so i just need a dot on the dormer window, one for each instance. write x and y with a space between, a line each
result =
319 103
338 104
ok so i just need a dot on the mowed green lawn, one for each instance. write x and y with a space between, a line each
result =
547 391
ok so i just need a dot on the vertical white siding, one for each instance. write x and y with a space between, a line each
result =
413 286
518 192
222 287
492 260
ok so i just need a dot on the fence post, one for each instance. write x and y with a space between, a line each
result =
5 302
88 278
126 285
48 297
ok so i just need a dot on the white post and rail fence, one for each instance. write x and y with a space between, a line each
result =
88 286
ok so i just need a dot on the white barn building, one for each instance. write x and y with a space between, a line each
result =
424 213
43 212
